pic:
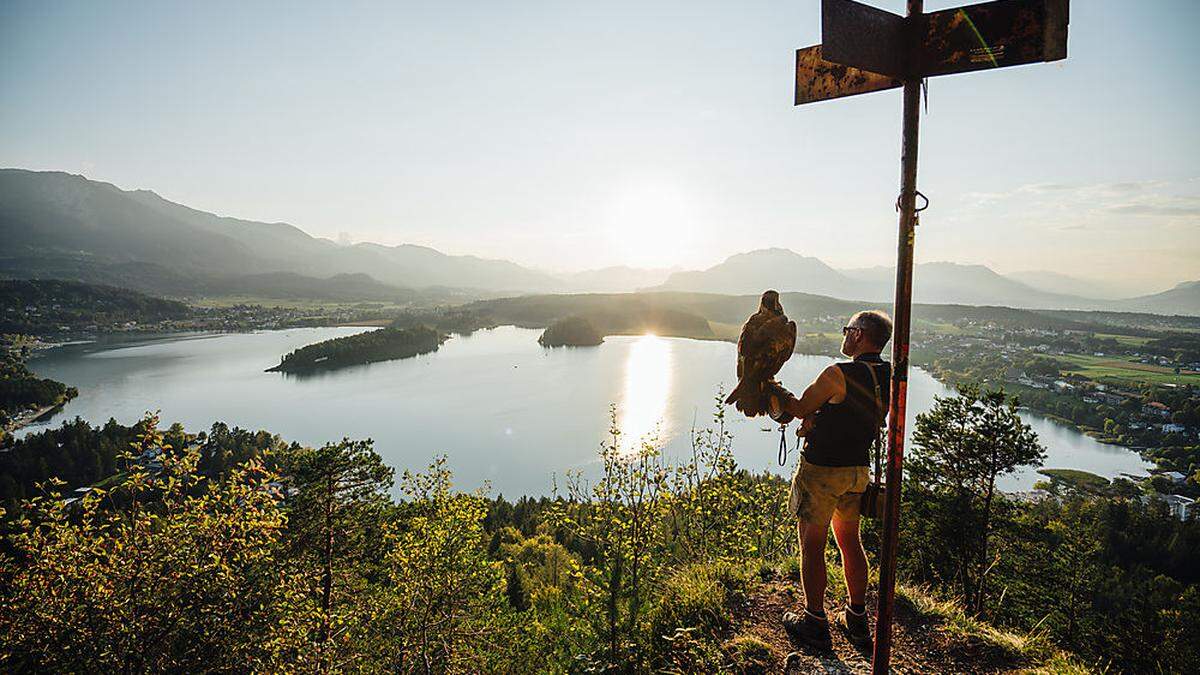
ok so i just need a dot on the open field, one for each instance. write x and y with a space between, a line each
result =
1129 340
1144 367
940 327
1106 368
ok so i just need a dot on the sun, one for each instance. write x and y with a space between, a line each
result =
650 224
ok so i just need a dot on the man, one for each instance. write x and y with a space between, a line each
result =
841 413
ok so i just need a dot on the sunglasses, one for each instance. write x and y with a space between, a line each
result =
846 329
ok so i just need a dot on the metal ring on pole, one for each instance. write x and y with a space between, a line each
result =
917 193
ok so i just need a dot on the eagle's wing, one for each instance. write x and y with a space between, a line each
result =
772 350
758 338
750 342
766 342
782 347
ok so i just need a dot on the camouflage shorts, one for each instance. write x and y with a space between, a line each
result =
820 492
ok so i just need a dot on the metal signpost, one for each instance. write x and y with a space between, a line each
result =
866 49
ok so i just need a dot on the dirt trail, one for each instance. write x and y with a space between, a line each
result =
918 644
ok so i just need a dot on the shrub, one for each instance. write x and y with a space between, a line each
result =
700 596
749 654
790 568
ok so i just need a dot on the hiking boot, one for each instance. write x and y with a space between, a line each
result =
808 629
857 625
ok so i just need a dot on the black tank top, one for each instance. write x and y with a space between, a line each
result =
842 433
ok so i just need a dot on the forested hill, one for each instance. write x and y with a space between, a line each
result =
648 566
58 224
376 345
683 314
45 305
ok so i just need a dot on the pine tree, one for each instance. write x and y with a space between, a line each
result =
338 497
963 444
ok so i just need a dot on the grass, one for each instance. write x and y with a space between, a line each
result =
790 568
1033 647
749 654
1078 479
699 596
1144 367
1103 368
1130 340
937 327
956 621
1062 664
692 618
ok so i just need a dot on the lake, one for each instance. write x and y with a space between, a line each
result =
505 410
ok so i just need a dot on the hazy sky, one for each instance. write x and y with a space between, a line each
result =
580 134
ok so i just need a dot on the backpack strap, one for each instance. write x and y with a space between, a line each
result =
880 418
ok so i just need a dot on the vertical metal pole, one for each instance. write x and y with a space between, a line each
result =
902 318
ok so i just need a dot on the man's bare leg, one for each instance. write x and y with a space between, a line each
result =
854 559
812 564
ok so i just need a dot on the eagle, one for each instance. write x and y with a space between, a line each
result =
767 341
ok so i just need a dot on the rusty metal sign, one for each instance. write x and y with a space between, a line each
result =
990 35
821 80
865 37
879 50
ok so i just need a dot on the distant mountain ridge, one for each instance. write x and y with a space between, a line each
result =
1063 284
1183 299
935 283
778 268
51 219
59 225
957 283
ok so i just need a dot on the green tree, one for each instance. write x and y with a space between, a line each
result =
336 506
165 572
517 589
618 517
445 608
1075 561
962 445
1110 426
716 511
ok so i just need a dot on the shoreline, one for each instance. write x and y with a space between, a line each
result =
23 420
1058 421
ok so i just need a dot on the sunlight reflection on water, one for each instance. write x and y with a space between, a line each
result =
643 405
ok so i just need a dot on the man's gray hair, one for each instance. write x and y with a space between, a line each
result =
876 326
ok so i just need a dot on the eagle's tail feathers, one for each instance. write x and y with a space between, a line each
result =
744 387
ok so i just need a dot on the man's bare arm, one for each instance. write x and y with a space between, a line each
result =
828 384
